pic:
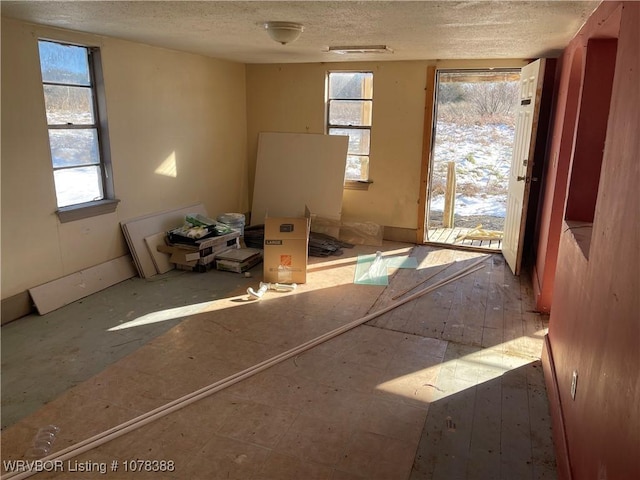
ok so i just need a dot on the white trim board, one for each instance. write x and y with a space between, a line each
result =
298 169
63 291
137 229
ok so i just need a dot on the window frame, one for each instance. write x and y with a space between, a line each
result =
108 203
350 183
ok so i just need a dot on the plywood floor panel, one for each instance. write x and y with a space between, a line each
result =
390 399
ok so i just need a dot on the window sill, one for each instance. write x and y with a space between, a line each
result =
86 210
357 184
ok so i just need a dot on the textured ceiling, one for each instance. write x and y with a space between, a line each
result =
414 30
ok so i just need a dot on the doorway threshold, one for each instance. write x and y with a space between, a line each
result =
464 239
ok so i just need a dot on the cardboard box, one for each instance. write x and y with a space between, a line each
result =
286 248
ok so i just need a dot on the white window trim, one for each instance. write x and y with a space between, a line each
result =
86 210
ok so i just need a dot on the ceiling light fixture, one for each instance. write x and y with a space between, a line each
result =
284 32
360 49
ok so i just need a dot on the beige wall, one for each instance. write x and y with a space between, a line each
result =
290 98
200 115
161 105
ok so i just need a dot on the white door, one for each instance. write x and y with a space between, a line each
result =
531 78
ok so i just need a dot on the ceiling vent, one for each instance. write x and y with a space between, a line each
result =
358 49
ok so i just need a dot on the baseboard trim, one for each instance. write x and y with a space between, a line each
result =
563 462
63 291
537 291
400 234
15 307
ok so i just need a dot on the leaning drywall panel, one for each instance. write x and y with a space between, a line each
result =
137 229
298 169
160 259
63 291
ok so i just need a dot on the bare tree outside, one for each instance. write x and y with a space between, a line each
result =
492 98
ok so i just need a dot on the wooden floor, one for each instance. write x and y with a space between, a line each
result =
454 236
488 414
446 386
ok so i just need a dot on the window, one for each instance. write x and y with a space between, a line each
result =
76 134
349 112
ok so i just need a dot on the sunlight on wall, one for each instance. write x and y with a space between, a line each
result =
168 168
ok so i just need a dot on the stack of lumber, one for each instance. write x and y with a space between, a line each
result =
238 260
199 255
144 234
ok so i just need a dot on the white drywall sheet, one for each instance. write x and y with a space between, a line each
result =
137 229
160 259
63 291
298 169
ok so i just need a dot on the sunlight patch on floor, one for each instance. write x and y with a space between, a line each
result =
453 376
181 312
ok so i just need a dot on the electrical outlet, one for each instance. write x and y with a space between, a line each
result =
574 384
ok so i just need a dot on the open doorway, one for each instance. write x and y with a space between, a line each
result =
473 139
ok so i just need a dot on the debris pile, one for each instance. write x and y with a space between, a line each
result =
320 245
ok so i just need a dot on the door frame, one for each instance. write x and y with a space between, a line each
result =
429 131
425 167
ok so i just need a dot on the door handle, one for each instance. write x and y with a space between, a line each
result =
521 179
